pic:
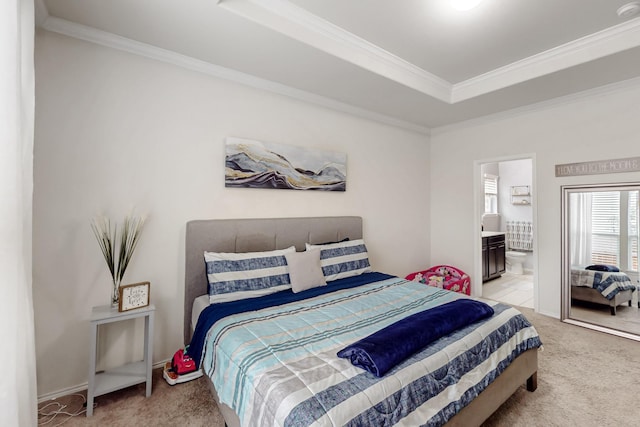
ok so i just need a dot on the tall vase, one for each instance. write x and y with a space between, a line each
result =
115 294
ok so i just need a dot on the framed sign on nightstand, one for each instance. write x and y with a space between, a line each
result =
134 296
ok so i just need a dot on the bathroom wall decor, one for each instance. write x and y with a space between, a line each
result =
520 235
256 164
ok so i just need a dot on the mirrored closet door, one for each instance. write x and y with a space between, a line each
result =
600 237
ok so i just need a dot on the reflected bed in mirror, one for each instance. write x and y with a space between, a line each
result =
600 237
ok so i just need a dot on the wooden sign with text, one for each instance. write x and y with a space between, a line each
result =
631 164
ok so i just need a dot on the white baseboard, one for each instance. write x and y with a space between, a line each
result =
549 314
63 392
80 387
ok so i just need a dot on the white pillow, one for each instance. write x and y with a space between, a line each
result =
305 271
234 276
343 259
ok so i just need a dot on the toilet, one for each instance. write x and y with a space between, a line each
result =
514 261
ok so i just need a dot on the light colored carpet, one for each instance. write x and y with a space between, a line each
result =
585 378
184 405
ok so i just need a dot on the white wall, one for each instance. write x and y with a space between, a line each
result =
114 131
513 173
603 126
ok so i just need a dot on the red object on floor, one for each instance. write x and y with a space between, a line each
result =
445 277
182 363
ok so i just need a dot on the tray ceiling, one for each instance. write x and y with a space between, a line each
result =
418 64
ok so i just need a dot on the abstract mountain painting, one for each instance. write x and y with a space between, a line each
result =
255 164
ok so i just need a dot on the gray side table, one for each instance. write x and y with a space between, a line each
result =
126 375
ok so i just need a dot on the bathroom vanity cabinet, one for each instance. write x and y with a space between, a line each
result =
493 255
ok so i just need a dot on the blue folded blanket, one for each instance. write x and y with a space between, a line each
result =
384 349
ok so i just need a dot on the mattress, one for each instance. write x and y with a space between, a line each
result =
199 304
273 360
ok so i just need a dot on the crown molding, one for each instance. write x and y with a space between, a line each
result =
609 41
301 25
594 46
114 41
297 23
605 90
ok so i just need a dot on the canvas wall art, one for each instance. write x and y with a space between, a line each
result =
255 164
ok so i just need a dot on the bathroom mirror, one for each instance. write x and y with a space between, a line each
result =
600 235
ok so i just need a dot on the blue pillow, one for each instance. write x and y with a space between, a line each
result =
343 259
234 276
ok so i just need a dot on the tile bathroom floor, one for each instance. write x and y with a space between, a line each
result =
512 289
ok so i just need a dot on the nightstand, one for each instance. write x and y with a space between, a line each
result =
127 375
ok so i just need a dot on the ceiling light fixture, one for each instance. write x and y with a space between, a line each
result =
465 4
629 9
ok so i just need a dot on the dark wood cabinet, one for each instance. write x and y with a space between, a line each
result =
485 260
493 257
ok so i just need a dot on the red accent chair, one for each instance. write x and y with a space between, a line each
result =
445 277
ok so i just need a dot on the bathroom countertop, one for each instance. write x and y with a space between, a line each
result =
492 233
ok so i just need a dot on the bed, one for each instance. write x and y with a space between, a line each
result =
602 287
384 397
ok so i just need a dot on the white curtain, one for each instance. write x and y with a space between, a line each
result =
18 395
580 228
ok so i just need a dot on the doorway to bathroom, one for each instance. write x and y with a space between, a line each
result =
507 224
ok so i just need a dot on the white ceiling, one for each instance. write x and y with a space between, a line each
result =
419 64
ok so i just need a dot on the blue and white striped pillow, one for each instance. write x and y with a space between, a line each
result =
343 259
234 276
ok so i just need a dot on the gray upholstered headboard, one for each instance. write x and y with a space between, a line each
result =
252 235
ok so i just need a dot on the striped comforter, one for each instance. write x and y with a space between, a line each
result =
278 365
609 284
